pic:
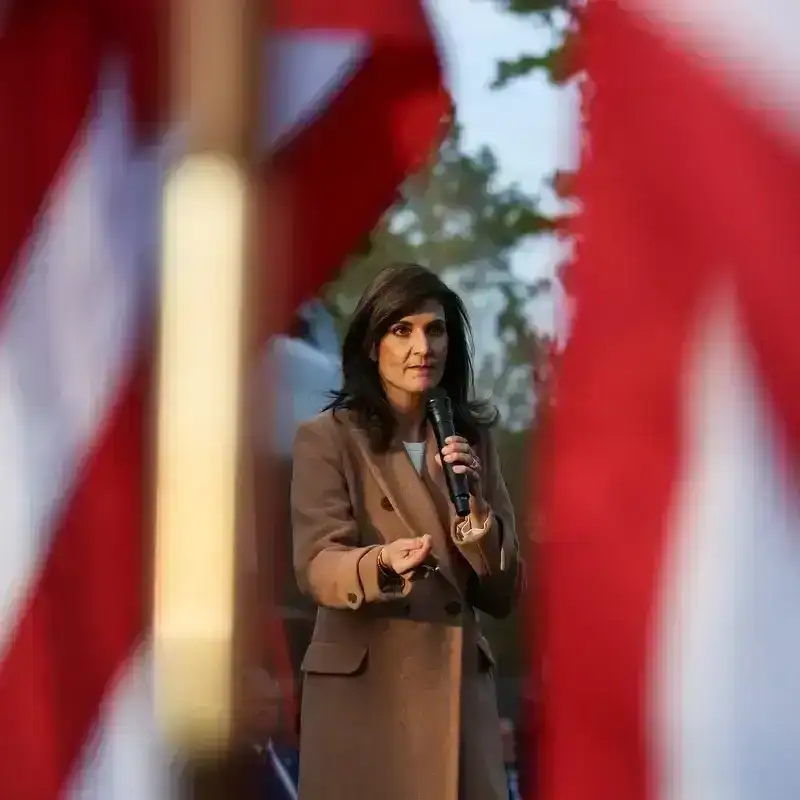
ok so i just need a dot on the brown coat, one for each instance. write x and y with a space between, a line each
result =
390 681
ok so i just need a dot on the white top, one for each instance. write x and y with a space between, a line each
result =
416 452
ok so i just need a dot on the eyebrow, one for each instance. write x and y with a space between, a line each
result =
408 321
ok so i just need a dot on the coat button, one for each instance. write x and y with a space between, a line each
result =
386 504
453 608
351 598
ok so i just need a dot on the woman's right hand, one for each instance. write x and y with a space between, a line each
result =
403 555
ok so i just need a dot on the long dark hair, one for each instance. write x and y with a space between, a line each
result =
399 290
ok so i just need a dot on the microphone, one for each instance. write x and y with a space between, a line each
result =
440 414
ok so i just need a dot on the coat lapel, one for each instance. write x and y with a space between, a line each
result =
433 477
420 501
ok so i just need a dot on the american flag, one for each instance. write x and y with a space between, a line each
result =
356 105
671 572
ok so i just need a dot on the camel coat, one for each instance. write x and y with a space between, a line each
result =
399 697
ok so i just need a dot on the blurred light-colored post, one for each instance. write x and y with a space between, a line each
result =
206 342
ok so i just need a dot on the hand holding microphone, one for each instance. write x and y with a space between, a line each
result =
462 468
459 453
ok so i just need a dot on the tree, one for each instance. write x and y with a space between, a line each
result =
557 62
519 451
459 221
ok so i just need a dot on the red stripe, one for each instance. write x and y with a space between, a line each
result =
404 20
84 617
280 664
615 442
341 173
686 184
49 58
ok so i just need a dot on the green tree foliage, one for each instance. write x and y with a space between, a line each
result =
556 61
455 216
461 221
520 450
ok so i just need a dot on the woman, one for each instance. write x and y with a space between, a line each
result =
398 695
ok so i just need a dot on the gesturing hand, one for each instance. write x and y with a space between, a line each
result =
403 555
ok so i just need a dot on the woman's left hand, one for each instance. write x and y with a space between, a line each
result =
458 452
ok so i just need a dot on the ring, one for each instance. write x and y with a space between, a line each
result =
475 464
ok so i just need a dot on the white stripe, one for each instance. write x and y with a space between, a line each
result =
124 759
305 71
69 332
751 47
727 680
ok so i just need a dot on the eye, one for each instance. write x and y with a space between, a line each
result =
401 329
437 328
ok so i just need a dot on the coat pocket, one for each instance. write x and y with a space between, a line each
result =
334 658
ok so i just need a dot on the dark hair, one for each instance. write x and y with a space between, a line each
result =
399 290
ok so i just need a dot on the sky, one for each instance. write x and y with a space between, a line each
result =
527 124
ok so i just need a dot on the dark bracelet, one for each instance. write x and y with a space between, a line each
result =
387 577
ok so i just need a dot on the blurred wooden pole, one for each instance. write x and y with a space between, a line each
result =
206 346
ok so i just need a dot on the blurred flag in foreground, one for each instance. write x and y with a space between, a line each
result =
356 105
672 566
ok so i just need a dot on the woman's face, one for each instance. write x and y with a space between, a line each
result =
412 354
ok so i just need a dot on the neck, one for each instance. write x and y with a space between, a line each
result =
409 411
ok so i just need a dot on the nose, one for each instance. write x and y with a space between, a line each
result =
421 343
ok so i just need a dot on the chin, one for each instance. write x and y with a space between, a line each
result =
423 384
